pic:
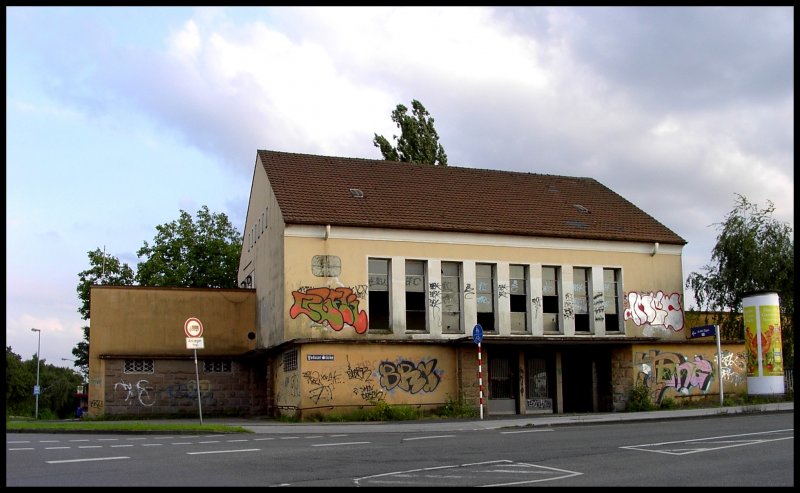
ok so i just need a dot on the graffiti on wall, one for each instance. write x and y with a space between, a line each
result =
188 391
665 372
405 375
502 291
537 305
140 393
321 384
599 307
569 305
335 308
655 309
733 367
469 292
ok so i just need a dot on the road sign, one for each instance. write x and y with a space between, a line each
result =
477 334
193 327
702 331
36 390
194 343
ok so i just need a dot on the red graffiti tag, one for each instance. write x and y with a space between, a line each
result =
337 307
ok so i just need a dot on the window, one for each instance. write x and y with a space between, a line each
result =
415 295
290 360
580 286
219 366
550 298
379 283
451 298
139 366
518 277
484 294
611 299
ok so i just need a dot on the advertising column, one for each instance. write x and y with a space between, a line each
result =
762 336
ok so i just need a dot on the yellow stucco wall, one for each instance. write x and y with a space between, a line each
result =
348 376
653 283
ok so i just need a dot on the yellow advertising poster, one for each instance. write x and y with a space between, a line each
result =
771 340
751 342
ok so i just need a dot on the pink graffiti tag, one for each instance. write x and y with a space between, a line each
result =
655 309
337 307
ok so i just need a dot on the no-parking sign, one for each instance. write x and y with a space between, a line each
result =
193 328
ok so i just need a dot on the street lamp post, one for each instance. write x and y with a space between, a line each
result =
38 358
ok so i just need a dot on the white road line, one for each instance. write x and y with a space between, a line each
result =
224 451
84 460
523 431
56 448
337 444
25 448
426 438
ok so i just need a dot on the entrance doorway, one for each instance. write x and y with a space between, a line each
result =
503 384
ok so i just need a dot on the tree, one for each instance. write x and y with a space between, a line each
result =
418 141
58 385
202 254
754 252
104 269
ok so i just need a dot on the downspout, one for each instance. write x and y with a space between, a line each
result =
328 231
655 249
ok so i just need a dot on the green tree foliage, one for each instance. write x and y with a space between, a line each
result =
185 253
104 269
81 353
58 385
754 252
418 141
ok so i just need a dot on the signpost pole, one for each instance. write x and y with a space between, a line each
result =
719 365
480 380
194 331
197 375
477 337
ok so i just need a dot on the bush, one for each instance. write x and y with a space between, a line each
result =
668 403
640 399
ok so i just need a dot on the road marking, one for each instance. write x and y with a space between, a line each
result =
702 444
337 444
84 460
426 438
224 451
523 431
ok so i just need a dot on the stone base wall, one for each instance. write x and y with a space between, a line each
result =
171 389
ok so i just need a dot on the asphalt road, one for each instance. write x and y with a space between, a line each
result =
743 449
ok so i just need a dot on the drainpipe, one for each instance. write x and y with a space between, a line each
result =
327 231
655 249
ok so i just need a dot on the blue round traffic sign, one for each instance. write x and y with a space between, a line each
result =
477 334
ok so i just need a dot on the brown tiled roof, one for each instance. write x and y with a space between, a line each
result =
317 190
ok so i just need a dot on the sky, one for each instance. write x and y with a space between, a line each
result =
118 118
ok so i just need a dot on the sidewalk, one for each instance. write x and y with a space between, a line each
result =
442 425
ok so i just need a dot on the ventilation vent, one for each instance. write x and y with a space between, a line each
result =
581 208
552 188
357 193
